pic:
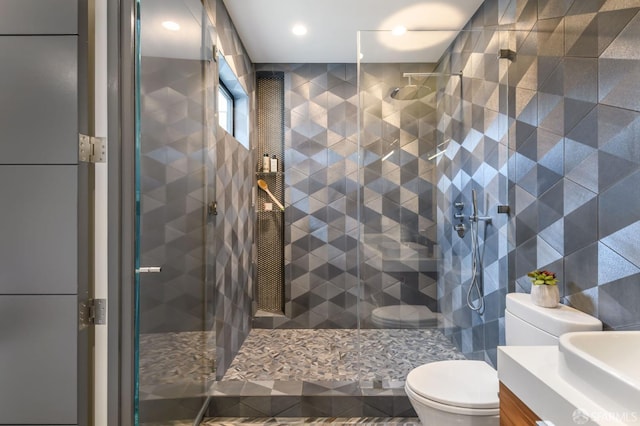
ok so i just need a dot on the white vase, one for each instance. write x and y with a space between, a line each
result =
546 296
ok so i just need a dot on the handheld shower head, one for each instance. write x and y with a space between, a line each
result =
474 202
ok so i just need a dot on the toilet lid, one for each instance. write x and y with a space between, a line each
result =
469 384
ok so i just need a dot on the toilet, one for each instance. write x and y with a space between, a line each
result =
465 392
404 316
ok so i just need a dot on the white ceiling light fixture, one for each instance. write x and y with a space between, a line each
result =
399 30
299 29
264 27
171 26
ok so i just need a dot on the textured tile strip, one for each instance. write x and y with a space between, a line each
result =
274 421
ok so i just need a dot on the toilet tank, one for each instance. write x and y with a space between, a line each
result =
527 324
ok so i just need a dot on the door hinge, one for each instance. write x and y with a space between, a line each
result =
93 312
92 149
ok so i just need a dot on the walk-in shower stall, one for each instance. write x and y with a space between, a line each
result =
320 309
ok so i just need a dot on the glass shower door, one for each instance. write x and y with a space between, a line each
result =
433 127
175 131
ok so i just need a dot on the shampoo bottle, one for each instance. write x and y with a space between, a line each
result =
266 163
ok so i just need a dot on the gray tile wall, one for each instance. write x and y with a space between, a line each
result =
231 291
398 211
173 222
573 163
321 188
320 166
472 112
574 152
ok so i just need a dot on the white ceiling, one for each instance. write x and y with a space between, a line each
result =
186 42
265 29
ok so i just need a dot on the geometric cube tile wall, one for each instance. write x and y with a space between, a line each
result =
576 160
320 168
173 144
321 188
233 248
398 211
234 225
573 162
473 116
175 141
572 159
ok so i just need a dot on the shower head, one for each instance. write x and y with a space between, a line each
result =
410 92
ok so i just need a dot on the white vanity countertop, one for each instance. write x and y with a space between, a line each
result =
531 372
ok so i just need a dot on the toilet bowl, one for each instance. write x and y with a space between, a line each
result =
463 392
454 393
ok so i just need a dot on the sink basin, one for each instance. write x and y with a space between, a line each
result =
604 366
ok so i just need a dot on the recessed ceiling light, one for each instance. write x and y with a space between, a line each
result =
171 26
399 30
299 29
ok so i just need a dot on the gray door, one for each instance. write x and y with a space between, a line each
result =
44 226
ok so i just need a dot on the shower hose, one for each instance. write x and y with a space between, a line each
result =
476 269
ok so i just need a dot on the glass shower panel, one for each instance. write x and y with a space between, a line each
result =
422 111
174 179
473 181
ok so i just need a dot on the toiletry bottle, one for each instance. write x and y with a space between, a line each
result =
266 163
274 163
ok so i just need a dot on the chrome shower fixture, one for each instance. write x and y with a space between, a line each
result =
411 91
474 216
458 215
477 256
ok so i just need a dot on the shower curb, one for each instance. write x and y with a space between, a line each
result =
313 399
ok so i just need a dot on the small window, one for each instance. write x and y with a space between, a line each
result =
233 104
225 108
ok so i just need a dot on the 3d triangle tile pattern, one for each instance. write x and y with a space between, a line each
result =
474 119
321 220
572 160
398 207
576 161
185 164
232 248
230 278
173 147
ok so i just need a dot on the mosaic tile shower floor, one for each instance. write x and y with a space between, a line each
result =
294 373
286 358
386 356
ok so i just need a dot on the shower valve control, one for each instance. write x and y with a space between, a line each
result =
459 205
459 216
